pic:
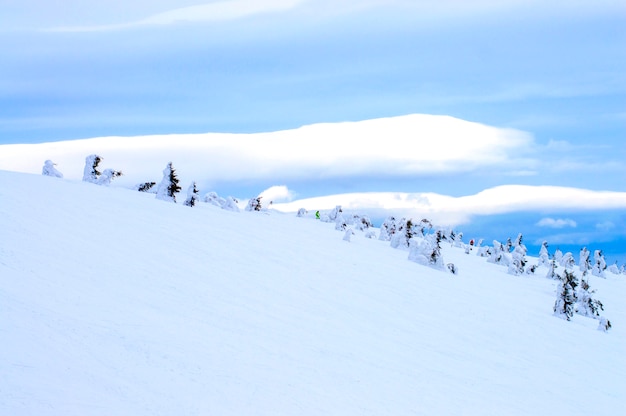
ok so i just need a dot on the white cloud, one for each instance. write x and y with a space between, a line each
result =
411 145
459 210
278 193
556 223
605 226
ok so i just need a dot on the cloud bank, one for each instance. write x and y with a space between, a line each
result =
453 211
406 146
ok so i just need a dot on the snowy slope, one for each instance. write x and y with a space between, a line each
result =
115 303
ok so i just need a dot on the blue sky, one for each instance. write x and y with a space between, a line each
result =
557 71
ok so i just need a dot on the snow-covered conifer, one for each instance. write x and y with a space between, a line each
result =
558 256
599 264
584 263
552 266
91 172
499 254
254 204
302 212
332 215
50 170
107 176
568 260
586 304
145 187
614 268
427 251
404 233
349 233
452 268
458 240
230 204
387 229
192 195
340 223
604 324
544 255
566 296
214 199
169 185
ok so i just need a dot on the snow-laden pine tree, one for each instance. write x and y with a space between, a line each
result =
552 266
107 176
586 305
564 306
568 260
458 240
349 233
387 229
50 170
332 215
340 223
146 187
302 212
604 324
584 263
254 204
599 264
427 251
518 257
403 233
214 199
192 195
168 188
558 256
499 254
230 204
544 255
91 172
614 268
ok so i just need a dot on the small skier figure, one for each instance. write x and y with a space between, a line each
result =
317 215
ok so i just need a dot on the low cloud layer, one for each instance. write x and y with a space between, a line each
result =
453 211
407 146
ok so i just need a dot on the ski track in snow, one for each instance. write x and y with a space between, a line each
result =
115 303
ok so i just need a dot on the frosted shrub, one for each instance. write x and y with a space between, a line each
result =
50 170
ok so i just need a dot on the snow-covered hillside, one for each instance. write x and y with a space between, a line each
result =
115 303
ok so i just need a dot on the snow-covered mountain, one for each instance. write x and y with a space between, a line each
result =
115 303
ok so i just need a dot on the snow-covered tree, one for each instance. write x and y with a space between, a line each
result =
404 231
518 257
599 264
91 172
568 260
192 195
332 215
107 176
614 268
146 187
427 251
302 212
254 204
169 185
584 263
586 305
499 254
552 266
387 229
230 204
349 233
458 240
604 324
564 305
544 255
558 256
340 222
50 170
361 222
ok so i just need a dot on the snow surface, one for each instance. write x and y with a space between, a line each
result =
115 303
